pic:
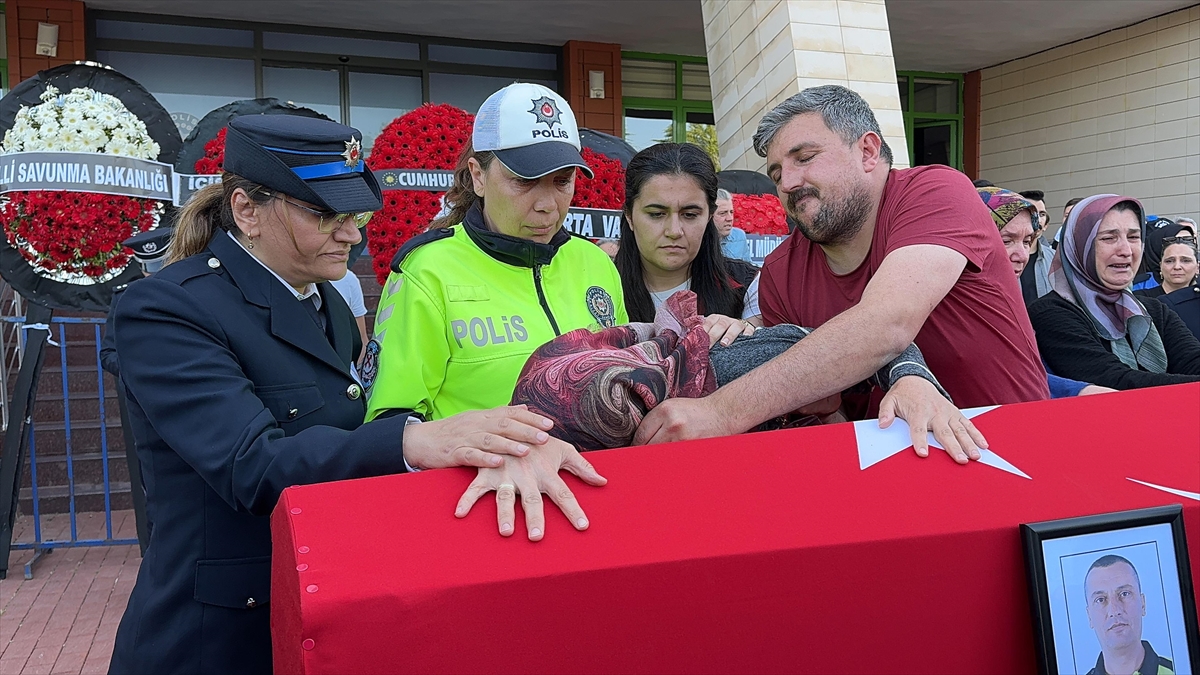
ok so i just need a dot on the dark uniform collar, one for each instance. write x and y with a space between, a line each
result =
1150 662
290 321
508 249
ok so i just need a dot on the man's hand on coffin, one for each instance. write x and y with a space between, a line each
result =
531 476
916 401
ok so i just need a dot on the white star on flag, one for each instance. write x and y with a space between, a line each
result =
876 445
1174 491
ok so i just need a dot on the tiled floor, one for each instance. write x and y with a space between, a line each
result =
64 620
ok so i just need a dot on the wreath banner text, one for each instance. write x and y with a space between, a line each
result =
86 172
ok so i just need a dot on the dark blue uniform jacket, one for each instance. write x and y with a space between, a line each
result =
234 393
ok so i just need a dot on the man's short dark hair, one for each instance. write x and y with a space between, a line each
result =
1110 560
982 182
1033 195
1072 201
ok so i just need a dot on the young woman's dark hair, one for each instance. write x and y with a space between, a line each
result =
710 279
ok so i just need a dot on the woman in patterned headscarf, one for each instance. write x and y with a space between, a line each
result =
1091 327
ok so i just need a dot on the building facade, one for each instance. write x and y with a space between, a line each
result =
1068 102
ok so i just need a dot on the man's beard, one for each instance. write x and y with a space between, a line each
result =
836 222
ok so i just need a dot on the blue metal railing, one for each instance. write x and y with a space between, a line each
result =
39 545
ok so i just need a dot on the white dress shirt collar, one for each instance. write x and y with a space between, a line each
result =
309 291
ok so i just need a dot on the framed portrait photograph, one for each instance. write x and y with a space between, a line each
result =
1111 594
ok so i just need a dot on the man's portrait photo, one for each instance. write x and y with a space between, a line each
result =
1110 594
1116 607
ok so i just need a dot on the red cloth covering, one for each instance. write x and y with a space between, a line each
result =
597 387
978 340
764 553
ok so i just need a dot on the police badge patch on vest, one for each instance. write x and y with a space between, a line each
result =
600 304
370 365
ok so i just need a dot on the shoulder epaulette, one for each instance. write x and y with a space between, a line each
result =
418 241
198 265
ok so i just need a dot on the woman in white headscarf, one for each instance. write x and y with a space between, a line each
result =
1092 328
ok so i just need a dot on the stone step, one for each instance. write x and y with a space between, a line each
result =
87 467
88 498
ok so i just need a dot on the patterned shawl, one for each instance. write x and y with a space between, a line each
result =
597 387
1114 314
1006 204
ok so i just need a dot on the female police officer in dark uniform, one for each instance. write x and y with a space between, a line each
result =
236 361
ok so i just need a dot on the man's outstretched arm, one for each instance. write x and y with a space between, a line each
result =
846 350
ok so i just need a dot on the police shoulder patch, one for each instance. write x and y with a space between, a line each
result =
600 304
418 241
370 364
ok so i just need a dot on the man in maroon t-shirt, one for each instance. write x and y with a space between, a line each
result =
883 258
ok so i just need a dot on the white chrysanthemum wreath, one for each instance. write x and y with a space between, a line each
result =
75 237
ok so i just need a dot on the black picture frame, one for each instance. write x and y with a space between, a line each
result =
1034 537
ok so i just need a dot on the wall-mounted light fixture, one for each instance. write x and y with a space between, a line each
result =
47 39
595 84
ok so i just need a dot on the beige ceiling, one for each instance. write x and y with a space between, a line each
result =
934 35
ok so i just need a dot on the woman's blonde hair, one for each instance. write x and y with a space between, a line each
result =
461 196
208 211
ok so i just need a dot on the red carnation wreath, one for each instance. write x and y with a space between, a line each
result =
76 233
214 155
606 190
429 137
759 214
68 236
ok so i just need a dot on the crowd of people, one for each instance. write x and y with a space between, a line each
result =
902 293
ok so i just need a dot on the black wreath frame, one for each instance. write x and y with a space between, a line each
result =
15 270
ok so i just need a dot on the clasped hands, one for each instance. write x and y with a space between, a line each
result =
514 456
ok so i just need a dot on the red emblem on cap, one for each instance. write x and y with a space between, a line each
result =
353 152
546 112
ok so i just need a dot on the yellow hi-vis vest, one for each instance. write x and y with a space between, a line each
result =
455 325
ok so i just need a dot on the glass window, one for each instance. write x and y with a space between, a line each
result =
189 87
377 99
332 44
165 32
493 57
933 143
695 82
470 91
934 96
702 131
308 87
648 79
902 83
644 128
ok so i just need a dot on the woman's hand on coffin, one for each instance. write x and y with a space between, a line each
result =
725 329
916 401
530 477
475 438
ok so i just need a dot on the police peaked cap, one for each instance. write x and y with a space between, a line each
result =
309 159
151 244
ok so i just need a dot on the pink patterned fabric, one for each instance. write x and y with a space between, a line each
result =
597 387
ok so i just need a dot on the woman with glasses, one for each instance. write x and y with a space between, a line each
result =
1091 327
236 361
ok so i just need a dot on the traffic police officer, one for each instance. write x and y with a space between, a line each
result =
470 300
